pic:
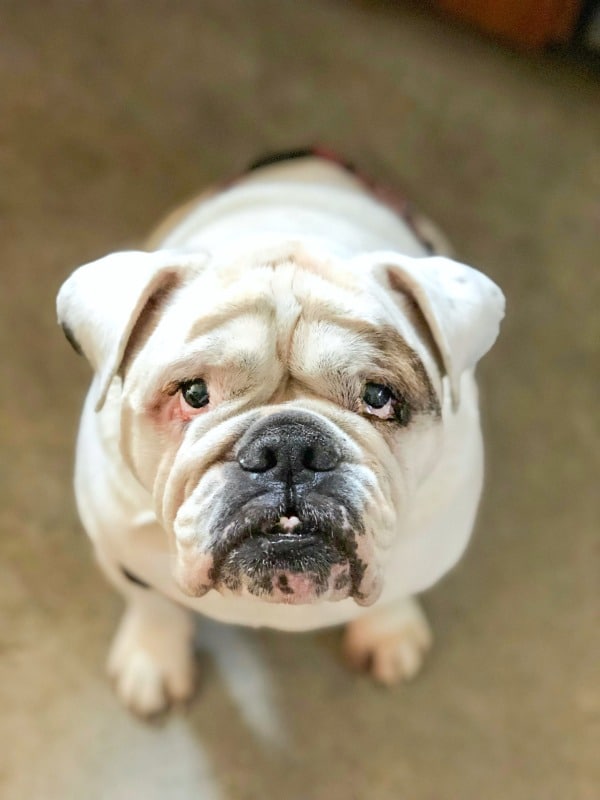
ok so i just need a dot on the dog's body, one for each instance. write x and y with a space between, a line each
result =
302 296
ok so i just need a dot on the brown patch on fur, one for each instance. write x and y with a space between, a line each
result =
391 362
397 365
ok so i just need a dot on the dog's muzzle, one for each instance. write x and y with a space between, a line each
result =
288 525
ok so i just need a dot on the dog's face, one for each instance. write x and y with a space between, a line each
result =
282 407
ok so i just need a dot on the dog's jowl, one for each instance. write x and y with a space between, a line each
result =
283 427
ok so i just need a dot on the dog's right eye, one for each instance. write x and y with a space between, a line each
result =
195 393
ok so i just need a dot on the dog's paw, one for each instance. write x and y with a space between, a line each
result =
390 643
151 666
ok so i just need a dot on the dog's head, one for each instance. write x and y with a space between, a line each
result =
283 405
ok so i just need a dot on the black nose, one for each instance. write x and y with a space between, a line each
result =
289 446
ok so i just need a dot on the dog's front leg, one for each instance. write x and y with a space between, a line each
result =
389 642
151 659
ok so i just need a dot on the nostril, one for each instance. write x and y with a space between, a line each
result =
269 458
322 458
308 457
257 459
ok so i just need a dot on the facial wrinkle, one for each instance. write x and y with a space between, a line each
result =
289 310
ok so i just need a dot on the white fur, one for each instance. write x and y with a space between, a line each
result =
422 505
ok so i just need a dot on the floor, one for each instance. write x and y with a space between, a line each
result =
114 112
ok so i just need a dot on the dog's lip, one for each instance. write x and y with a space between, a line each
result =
270 535
280 542
273 523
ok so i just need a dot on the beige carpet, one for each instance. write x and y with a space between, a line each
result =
111 113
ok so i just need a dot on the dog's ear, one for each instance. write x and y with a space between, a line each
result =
462 307
100 303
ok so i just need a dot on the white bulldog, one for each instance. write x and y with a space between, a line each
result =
283 425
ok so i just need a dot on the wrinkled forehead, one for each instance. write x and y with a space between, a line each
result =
301 312
260 322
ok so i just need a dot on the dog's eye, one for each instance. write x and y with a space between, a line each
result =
195 393
376 395
380 401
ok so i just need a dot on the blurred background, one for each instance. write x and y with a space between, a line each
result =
486 116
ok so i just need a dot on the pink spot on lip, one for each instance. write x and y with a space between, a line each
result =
290 587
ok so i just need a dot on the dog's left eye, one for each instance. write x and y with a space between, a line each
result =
380 401
376 395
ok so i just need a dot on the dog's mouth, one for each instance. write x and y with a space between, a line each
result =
292 558
311 551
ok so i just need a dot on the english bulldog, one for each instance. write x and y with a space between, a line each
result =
283 428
